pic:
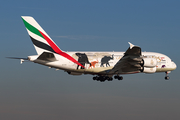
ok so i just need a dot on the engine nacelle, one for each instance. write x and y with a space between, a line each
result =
74 73
148 70
149 62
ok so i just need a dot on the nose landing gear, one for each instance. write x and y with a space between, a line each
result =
167 77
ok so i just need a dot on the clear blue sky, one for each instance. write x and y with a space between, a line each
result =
34 92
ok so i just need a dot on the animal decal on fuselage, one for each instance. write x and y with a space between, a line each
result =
105 60
94 60
93 63
82 58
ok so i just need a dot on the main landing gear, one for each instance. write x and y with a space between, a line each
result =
118 77
167 77
104 78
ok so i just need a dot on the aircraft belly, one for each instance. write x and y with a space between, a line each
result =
98 70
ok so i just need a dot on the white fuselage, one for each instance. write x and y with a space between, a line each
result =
101 62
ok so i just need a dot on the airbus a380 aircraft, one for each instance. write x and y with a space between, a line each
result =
103 65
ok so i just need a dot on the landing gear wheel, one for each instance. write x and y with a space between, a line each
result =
95 78
102 78
120 78
116 77
109 78
167 78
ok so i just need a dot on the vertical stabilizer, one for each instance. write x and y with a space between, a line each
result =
42 42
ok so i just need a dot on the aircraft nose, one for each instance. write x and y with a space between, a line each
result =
174 65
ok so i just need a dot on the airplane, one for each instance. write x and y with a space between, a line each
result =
102 65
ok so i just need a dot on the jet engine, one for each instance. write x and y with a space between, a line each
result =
148 70
149 62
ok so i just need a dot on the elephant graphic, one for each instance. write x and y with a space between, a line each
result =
105 60
82 58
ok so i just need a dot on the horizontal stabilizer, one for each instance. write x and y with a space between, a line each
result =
21 59
17 58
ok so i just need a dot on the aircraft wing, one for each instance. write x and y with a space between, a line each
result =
130 62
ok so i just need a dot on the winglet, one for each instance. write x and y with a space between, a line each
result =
131 45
